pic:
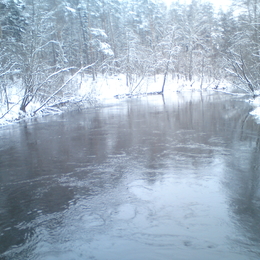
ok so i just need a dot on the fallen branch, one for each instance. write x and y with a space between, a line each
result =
58 90
10 109
32 95
138 94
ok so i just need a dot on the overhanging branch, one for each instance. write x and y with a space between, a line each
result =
58 90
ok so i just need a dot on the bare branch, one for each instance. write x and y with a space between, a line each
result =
58 90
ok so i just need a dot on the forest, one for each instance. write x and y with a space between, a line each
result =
46 44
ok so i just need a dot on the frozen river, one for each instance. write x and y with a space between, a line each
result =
142 179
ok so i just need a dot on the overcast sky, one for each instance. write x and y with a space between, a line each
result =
218 3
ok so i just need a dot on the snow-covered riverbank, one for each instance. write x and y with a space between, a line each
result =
84 91
256 109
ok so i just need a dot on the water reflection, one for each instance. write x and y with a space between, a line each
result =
147 178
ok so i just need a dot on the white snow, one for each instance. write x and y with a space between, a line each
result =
103 89
98 32
71 9
256 112
106 48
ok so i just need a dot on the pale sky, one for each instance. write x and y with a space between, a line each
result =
218 3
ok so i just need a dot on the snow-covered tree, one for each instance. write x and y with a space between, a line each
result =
41 41
12 28
243 54
43 52
195 25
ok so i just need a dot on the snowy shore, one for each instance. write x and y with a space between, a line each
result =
86 92
256 109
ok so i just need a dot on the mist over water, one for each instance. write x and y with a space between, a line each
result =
145 178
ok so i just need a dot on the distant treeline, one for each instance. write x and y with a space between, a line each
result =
40 41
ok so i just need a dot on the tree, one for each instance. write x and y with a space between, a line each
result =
12 28
46 42
243 54
43 52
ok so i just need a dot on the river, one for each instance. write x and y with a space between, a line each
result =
144 178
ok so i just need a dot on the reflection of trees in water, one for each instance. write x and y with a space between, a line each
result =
160 134
181 132
98 148
184 136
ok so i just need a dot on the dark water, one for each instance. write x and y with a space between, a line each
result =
147 178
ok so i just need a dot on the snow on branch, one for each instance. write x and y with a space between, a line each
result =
44 45
9 70
52 75
98 32
72 10
106 48
58 90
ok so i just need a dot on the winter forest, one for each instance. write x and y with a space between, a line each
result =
129 129
48 47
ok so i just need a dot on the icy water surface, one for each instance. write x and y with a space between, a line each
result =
145 179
